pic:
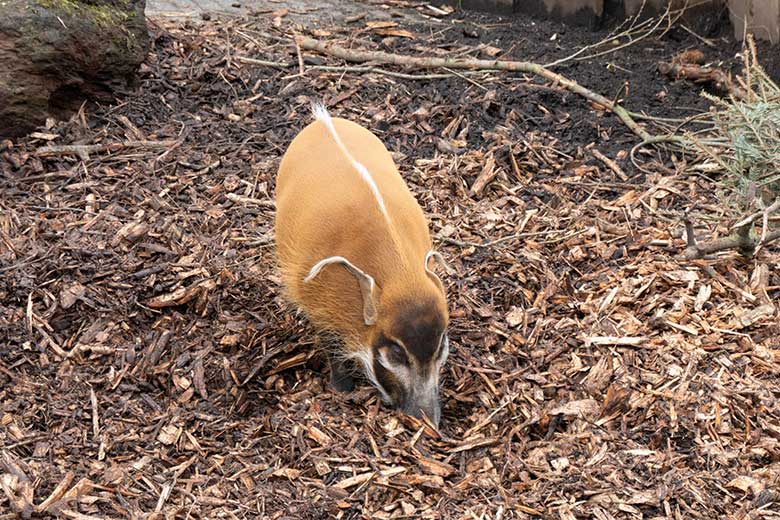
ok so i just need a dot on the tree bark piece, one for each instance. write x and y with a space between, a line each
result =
57 53
428 62
700 74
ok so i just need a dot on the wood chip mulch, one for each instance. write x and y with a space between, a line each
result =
150 369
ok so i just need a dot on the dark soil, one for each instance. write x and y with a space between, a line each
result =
630 75
150 367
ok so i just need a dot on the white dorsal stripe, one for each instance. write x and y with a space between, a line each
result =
321 114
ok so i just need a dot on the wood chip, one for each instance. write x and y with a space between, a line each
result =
757 314
435 467
487 174
364 477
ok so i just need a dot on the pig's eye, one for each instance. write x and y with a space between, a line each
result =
397 354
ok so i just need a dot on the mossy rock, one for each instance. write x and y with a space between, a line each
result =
59 53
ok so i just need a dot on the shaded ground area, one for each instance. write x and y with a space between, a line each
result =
150 366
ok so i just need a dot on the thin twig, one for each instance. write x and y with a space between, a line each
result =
613 36
659 139
300 56
466 243
83 150
765 223
240 199
266 63
705 41
612 165
173 146
667 15
755 216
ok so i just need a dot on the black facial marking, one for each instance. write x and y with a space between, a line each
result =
389 383
397 354
419 326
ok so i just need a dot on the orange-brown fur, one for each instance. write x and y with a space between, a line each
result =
325 209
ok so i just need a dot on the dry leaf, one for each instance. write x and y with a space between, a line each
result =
691 56
230 340
491 51
71 294
132 232
616 401
599 375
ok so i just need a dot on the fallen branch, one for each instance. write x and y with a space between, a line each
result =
740 239
83 150
355 69
358 56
